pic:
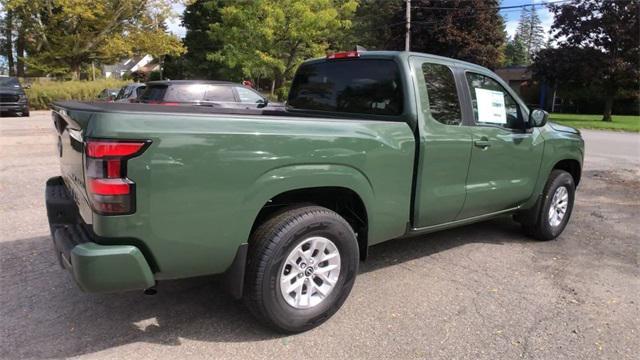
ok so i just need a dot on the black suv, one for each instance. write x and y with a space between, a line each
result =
217 94
12 97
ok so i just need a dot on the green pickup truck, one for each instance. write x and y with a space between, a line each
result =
283 203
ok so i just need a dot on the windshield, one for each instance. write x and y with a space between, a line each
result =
9 82
364 86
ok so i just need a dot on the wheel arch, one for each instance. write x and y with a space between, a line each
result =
572 166
344 201
341 188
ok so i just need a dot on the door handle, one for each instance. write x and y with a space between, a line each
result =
482 143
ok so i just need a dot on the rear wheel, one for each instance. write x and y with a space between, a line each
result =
302 266
556 207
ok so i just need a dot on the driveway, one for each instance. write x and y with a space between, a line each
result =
611 150
479 292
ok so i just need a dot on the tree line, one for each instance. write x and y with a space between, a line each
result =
62 38
592 49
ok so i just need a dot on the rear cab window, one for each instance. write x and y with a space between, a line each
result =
365 86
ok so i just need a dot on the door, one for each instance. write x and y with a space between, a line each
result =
506 155
444 145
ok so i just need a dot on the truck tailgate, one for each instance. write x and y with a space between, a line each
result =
70 149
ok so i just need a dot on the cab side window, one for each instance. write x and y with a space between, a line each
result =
492 104
220 93
248 96
441 92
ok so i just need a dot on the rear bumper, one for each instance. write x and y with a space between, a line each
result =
94 267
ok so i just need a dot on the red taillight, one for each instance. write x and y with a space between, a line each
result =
109 186
100 148
110 191
343 55
113 168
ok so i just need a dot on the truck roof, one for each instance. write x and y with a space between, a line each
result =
403 55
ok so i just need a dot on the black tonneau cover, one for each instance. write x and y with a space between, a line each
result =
279 110
96 106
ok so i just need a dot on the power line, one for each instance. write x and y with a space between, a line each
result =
507 9
493 7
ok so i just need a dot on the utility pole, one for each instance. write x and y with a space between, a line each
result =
407 36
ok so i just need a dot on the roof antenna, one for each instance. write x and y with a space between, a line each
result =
360 48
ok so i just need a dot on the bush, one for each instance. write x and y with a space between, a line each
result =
41 94
154 76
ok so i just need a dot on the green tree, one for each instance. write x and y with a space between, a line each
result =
65 35
371 26
269 38
600 40
515 52
198 16
530 32
571 71
7 40
471 30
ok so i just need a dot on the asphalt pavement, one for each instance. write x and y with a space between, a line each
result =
483 291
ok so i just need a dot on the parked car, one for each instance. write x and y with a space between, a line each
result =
130 93
13 99
218 94
372 146
107 95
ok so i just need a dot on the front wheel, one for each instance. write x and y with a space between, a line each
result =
557 204
302 266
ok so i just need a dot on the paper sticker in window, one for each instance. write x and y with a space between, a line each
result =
491 107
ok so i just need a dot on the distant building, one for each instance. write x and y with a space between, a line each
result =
515 76
145 64
521 81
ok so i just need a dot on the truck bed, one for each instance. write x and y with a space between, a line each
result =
207 173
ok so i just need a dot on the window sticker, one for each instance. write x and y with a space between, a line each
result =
491 107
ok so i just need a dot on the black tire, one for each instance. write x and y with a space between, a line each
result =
542 229
269 247
25 113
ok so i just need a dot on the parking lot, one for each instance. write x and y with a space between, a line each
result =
479 292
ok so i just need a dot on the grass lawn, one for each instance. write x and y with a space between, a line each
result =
620 122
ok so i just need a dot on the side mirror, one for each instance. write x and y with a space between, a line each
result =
262 103
538 118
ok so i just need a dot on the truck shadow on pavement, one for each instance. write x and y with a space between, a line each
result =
45 315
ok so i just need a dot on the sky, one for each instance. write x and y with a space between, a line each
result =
511 17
